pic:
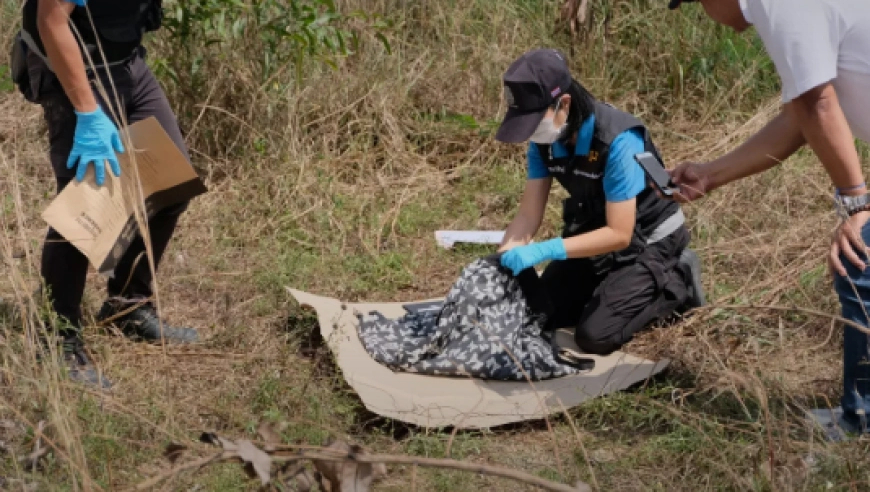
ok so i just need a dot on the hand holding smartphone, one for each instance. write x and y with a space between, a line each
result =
655 170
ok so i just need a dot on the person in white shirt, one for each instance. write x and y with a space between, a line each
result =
821 50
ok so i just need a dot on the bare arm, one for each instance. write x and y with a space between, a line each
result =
530 215
616 235
815 117
64 53
821 119
774 143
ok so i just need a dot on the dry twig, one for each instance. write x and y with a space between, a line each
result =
342 453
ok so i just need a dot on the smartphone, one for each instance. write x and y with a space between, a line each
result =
656 172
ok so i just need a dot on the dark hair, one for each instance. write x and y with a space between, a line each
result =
582 105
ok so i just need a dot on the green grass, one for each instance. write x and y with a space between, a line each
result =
335 184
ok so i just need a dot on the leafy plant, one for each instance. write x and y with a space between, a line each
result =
286 32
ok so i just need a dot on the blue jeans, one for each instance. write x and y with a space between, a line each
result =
854 293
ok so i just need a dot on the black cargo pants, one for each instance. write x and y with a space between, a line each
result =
64 268
608 309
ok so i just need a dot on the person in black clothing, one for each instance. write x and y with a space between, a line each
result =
622 261
64 68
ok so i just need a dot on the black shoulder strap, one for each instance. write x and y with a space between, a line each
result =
611 122
545 153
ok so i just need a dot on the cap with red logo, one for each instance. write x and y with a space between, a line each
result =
531 85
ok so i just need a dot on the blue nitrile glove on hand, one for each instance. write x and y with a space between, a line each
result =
522 257
96 140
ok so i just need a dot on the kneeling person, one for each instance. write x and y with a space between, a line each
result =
622 261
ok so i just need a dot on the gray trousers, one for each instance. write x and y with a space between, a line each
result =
64 268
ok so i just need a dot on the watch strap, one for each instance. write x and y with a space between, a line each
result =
863 208
854 204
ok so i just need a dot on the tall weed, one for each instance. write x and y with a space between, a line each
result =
261 76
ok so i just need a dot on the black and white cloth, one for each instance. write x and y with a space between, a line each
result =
489 327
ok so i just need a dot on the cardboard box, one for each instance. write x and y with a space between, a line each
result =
101 220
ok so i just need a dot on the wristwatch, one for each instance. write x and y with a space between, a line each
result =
854 204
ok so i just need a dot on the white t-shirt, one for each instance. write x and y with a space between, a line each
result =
813 42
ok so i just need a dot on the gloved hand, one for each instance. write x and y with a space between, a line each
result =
96 140
522 257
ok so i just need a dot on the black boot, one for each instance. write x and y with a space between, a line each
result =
140 321
856 421
691 267
79 367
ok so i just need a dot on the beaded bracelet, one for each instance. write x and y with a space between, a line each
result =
858 186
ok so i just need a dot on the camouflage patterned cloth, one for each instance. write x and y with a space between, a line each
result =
485 329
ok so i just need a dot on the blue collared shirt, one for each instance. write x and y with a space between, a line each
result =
623 178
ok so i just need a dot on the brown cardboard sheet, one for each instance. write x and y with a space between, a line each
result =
431 401
99 220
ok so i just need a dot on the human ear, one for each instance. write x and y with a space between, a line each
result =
565 103
561 116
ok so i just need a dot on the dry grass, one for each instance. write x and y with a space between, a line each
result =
336 185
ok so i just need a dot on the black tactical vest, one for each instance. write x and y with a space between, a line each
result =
118 25
583 178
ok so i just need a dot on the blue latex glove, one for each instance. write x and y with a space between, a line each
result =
522 257
96 140
80 3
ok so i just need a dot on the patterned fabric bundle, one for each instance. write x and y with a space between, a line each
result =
489 327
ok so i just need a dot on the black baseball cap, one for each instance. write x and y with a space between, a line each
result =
531 85
675 4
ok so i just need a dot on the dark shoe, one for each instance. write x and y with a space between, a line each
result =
141 322
55 329
856 422
691 265
79 367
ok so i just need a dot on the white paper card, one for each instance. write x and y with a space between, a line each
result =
446 239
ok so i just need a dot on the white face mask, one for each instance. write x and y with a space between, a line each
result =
547 133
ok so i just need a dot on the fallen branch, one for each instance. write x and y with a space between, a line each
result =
152 482
326 454
496 471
